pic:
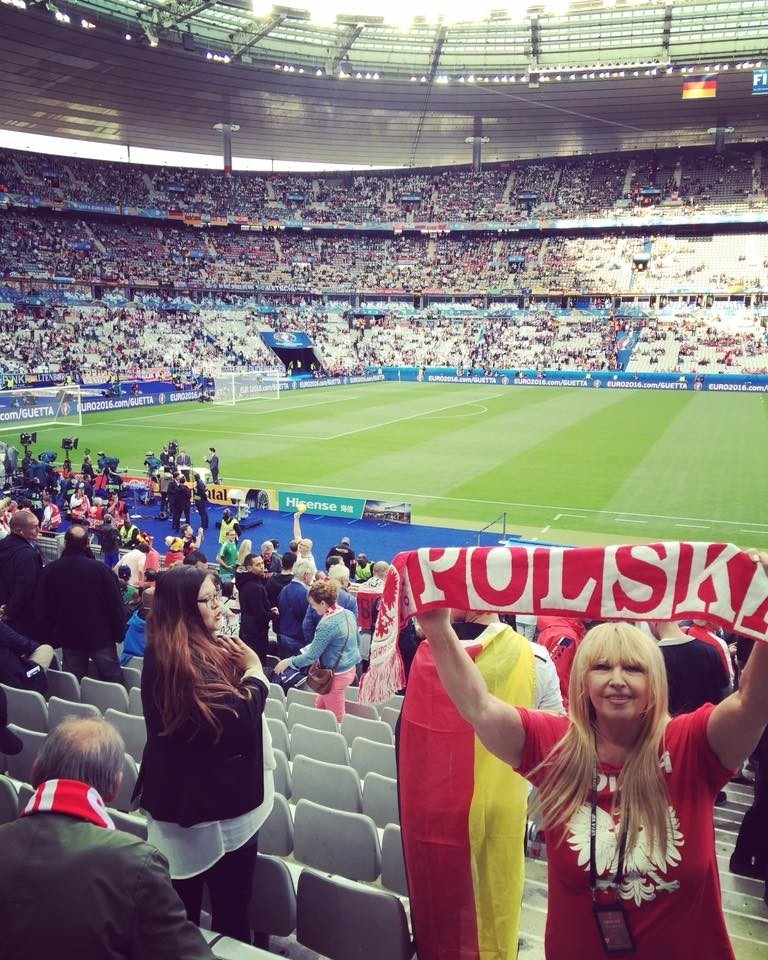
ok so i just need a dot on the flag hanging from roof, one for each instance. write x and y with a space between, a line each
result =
700 88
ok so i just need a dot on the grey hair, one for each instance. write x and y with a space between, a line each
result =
380 568
268 545
87 749
302 567
339 571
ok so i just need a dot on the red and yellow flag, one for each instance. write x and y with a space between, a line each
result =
700 88
463 811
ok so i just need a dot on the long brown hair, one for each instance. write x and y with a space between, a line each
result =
567 770
195 676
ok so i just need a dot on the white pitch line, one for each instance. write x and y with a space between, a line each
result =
694 526
628 520
251 413
570 516
412 416
546 529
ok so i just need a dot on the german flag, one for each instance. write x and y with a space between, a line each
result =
700 88
463 811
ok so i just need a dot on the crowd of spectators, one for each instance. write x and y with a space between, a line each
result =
120 252
507 192
138 341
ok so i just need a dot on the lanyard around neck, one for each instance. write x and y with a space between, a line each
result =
617 880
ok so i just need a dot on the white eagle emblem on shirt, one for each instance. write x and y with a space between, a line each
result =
644 868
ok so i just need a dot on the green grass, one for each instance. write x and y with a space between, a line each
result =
565 464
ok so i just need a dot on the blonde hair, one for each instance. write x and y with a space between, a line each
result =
324 591
243 550
566 773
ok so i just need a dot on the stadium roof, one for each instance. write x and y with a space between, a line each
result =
600 77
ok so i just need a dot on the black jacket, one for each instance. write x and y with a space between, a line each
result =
81 604
13 671
255 612
21 566
187 777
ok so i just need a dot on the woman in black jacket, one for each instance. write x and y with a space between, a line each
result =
206 778
255 610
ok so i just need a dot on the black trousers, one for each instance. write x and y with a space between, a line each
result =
202 509
106 660
752 841
229 883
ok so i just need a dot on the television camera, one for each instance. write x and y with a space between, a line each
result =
69 443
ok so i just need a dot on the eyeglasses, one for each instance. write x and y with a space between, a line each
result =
212 601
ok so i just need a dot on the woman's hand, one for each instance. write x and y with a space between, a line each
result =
282 666
241 653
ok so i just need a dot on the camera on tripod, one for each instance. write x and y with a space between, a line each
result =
69 443
27 439
173 448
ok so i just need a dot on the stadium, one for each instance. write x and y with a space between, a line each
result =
423 277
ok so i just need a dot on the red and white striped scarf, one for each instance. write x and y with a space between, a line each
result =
714 582
72 799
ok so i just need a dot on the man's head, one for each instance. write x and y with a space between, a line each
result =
362 559
254 563
304 570
304 547
340 573
380 568
76 539
345 540
87 749
196 558
227 514
333 560
25 524
267 549
287 562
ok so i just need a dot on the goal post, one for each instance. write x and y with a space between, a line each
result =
231 388
29 408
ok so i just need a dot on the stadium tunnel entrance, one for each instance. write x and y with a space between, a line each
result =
298 361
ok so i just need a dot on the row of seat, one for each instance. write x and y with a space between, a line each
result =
362 754
337 786
351 726
332 915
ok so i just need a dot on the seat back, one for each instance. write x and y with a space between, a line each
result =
331 784
132 729
380 799
272 909
129 823
365 710
26 708
276 709
305 697
367 756
393 875
276 833
282 774
278 731
63 684
103 694
20 766
336 841
59 709
390 715
130 775
351 693
131 677
311 717
320 744
276 692
352 726
9 801
334 917
135 705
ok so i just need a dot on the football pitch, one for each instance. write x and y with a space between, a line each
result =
566 465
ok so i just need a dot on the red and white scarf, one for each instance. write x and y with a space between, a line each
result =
715 582
72 799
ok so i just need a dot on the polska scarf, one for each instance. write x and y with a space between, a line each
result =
72 799
714 582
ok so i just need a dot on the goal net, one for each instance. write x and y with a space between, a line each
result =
30 408
251 385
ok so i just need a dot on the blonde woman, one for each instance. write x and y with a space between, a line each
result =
626 794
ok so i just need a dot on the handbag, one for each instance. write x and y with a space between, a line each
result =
320 678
